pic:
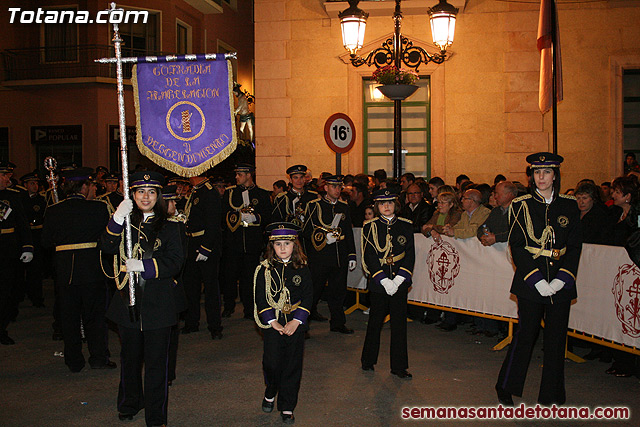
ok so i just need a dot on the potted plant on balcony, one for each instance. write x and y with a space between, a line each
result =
396 83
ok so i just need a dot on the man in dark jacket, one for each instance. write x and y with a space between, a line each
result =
416 209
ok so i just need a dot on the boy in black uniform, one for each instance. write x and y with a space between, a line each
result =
204 216
291 205
247 210
331 251
15 246
73 227
34 207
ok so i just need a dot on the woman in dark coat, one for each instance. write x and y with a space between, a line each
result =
546 241
157 257
595 219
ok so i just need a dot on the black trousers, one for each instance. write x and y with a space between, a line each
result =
86 302
173 352
336 279
150 348
396 306
33 272
9 264
238 271
515 366
197 275
282 366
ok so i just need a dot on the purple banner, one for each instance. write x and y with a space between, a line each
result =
184 114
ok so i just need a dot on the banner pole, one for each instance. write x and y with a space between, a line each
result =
133 313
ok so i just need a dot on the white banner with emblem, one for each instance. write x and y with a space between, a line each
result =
464 274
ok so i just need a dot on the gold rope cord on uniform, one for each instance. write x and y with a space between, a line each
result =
187 206
385 250
118 259
284 299
547 232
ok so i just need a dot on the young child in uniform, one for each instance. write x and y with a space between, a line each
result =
283 293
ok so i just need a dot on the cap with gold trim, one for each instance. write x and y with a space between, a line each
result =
146 179
297 169
544 160
282 231
244 167
384 195
6 166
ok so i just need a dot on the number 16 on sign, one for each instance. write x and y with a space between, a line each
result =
340 135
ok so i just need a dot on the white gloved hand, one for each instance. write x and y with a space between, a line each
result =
331 238
134 265
352 265
544 288
201 257
26 257
249 218
556 284
399 280
124 208
389 287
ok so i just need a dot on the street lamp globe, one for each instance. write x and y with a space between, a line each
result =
443 24
353 22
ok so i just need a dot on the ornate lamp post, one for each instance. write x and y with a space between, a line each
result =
397 51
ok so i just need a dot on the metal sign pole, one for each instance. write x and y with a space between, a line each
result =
133 313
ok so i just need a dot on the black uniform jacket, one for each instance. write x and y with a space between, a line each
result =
283 206
401 256
204 216
418 216
240 237
162 256
297 281
112 199
15 235
562 247
73 227
319 215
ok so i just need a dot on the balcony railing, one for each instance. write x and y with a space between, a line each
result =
64 62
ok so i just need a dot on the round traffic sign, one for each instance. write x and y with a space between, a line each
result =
339 133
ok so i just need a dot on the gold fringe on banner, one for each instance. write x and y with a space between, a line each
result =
168 164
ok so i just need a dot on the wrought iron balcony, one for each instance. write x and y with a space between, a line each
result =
64 62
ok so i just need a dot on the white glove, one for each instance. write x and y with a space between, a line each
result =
26 257
201 257
544 288
556 284
249 218
124 208
330 238
134 265
389 286
352 265
398 280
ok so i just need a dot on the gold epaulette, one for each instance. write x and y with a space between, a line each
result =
103 196
317 199
342 201
368 221
231 187
521 198
567 196
283 194
208 185
405 220
178 218
13 189
312 192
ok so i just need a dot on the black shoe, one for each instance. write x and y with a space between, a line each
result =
216 335
266 405
427 321
342 329
5 339
447 327
504 397
367 367
403 374
227 312
317 317
76 369
108 365
57 336
125 417
288 418
187 330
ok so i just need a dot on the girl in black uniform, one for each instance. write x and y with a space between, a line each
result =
546 240
157 257
283 293
388 255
